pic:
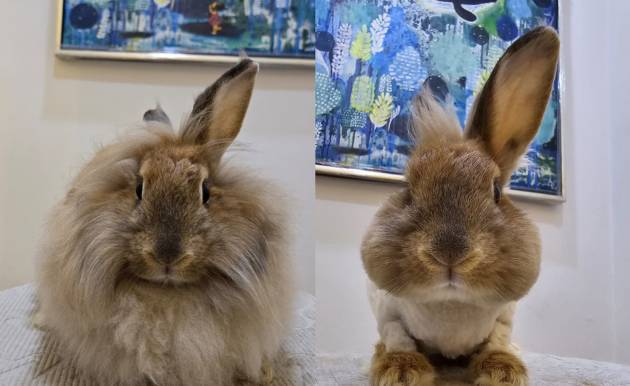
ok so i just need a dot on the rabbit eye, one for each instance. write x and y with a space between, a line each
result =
205 192
497 191
139 189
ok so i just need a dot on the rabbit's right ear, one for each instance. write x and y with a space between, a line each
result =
219 111
509 109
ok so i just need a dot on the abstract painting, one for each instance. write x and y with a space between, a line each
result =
261 28
373 56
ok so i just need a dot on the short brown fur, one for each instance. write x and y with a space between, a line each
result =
449 248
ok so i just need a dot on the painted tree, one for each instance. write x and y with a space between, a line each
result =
327 96
378 30
406 69
382 110
362 94
342 47
361 46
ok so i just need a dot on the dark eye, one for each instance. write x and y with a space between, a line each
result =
139 189
497 191
205 192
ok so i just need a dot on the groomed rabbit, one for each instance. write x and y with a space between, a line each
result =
161 265
449 256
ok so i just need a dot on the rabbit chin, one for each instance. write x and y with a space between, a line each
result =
449 287
164 275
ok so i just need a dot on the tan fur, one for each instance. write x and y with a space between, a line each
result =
167 290
400 369
446 261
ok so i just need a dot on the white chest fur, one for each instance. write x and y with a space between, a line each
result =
451 327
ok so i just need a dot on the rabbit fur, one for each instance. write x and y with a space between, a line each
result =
162 266
448 256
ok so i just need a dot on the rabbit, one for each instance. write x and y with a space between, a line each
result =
448 257
163 266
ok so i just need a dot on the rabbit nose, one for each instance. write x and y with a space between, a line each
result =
167 249
450 246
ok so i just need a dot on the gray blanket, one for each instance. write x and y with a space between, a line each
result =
544 370
27 355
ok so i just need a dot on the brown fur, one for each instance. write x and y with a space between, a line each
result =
498 368
166 289
445 226
400 368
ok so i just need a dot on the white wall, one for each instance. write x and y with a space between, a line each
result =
53 113
570 310
620 139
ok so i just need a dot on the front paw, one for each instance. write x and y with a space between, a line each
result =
499 368
265 378
400 369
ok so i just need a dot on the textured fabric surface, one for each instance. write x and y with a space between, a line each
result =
544 370
27 356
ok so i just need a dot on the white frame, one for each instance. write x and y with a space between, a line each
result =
162 56
336 171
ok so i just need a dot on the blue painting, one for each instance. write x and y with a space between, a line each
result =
268 28
373 56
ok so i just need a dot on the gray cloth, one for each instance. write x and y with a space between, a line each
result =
27 355
544 370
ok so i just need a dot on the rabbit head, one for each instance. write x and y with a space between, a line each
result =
451 232
180 216
159 208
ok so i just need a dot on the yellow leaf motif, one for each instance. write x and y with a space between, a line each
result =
381 110
362 94
362 45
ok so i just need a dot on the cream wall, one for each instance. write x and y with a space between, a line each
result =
53 113
576 308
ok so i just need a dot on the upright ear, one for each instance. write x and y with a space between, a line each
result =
509 109
219 111
433 121
156 115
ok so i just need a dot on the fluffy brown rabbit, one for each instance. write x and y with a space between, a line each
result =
449 255
164 267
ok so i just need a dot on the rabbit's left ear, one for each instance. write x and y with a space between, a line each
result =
219 111
509 109
156 115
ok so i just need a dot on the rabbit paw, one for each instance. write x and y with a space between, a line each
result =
499 368
400 369
265 378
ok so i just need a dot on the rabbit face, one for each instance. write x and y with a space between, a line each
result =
451 234
172 218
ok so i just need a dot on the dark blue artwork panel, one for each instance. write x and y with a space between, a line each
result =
273 28
373 56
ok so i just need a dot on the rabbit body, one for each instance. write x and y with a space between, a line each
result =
162 266
452 328
168 336
449 256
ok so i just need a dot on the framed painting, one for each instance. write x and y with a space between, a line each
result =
272 31
373 56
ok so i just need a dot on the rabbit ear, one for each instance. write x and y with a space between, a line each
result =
156 115
432 120
509 109
219 111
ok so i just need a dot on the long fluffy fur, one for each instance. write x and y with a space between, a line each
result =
119 329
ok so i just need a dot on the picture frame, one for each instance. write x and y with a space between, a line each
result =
325 167
69 51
